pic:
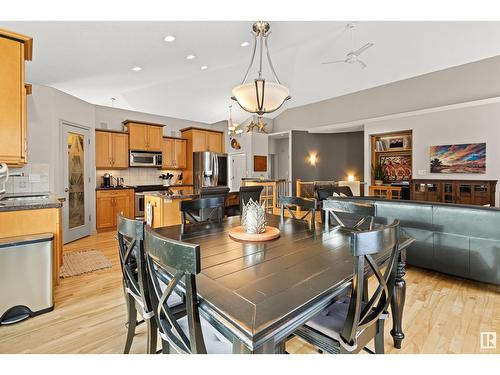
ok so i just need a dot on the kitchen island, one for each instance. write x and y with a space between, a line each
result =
163 209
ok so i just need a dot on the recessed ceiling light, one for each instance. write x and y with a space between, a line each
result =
190 57
136 68
204 67
244 44
169 38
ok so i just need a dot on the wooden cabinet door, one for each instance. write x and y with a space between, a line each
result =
103 155
105 217
12 142
122 206
155 138
180 153
214 142
120 153
200 141
168 153
137 137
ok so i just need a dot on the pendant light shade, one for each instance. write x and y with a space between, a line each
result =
260 96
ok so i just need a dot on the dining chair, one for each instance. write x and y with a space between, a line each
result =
308 205
348 215
212 207
249 192
130 235
190 334
351 322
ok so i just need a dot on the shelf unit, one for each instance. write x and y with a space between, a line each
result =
393 144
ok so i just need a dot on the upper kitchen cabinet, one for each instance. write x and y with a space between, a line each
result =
204 140
111 150
14 50
144 136
174 153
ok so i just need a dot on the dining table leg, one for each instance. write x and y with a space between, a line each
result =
398 302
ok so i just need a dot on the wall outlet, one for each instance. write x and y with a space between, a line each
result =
422 172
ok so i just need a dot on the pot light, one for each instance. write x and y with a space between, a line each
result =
190 57
169 38
136 68
204 67
245 44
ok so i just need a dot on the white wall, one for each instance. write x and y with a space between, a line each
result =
474 124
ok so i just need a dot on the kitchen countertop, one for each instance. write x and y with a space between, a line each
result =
114 188
176 194
29 204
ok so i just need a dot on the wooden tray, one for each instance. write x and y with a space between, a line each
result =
237 233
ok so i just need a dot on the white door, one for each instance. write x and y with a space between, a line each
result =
238 166
75 148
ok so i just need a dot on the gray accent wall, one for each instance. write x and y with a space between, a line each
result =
338 154
463 83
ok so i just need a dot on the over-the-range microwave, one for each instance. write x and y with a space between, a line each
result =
145 159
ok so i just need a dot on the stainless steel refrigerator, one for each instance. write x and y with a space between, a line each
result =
209 169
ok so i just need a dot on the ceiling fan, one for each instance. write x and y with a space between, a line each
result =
353 56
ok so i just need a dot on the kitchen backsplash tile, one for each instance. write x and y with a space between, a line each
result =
34 180
137 176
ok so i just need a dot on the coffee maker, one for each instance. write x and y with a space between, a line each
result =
106 180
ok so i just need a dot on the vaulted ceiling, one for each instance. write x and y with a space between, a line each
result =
94 60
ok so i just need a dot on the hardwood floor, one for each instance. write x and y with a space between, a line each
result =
443 314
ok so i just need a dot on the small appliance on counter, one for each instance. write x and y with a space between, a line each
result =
106 180
179 179
120 182
167 179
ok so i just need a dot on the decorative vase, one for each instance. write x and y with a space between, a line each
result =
253 217
379 182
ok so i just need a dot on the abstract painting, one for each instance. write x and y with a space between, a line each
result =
396 168
463 158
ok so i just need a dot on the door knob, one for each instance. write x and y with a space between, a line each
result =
66 190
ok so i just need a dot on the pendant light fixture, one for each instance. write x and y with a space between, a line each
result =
260 96
232 127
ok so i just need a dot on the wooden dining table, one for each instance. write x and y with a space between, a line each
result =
258 294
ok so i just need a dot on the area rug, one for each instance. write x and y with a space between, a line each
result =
79 262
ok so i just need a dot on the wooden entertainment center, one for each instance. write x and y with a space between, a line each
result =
476 192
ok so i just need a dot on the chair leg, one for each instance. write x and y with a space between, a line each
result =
379 337
165 347
152 332
131 324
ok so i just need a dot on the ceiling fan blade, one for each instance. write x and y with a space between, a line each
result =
363 49
333 62
361 63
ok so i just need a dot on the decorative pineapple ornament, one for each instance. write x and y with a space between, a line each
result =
253 217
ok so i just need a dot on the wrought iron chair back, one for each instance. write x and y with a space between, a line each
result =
132 260
364 245
359 213
249 192
308 205
213 206
181 259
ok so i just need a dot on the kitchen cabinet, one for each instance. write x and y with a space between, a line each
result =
14 50
198 139
109 203
205 140
174 153
111 150
144 136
